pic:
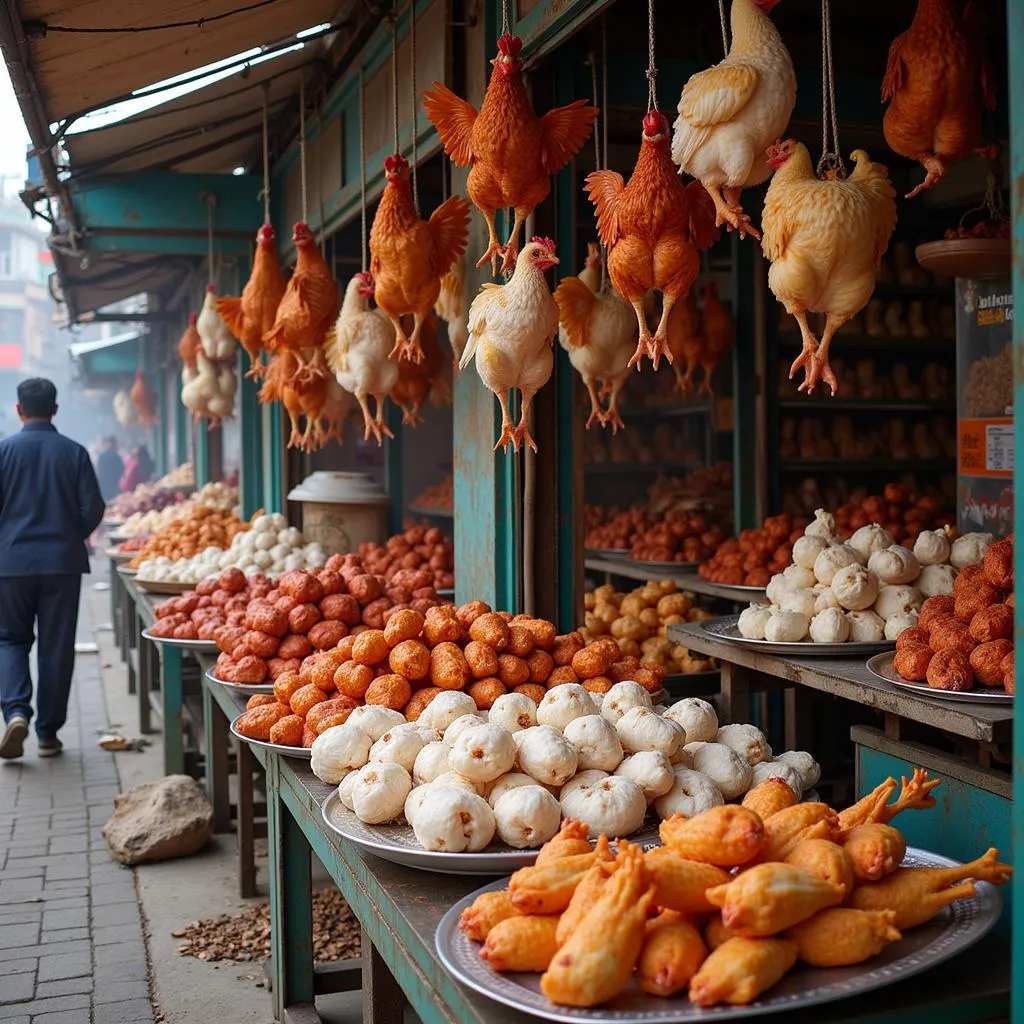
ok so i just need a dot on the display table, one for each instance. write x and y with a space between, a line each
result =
689 581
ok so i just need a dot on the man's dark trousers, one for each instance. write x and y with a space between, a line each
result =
52 601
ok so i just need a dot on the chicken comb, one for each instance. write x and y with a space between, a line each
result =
510 45
548 243
395 162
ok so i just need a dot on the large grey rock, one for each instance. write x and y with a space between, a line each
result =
159 820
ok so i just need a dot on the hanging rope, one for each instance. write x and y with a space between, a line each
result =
599 159
504 18
266 158
362 165
415 104
604 91
302 148
320 149
394 74
211 202
725 26
652 69
831 162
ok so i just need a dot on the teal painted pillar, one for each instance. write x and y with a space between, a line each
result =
201 452
250 419
273 458
181 416
744 462
393 468
1015 42
160 431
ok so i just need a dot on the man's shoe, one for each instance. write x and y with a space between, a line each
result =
50 748
13 743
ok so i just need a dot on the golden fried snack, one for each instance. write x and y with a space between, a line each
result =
257 723
672 953
562 675
448 667
288 731
570 840
486 911
828 860
585 896
520 640
541 665
726 836
769 797
531 690
390 691
993 623
491 629
841 937
875 850
997 566
306 698
936 608
915 794
370 648
914 636
681 884
740 970
547 888
973 599
912 662
419 701
788 827
596 963
987 658
482 659
485 692
410 658
770 898
918 894
403 625
715 932
512 671
950 669
258 699
521 943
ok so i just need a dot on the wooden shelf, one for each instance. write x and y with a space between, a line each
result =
936 347
670 410
817 404
867 465
609 468
431 513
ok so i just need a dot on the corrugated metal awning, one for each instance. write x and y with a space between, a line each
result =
84 348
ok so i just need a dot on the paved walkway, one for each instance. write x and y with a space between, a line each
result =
71 941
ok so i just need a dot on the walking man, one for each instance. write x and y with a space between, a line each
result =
109 469
50 503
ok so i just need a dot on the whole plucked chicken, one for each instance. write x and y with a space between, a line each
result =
308 307
686 342
936 81
512 328
654 228
598 330
731 113
719 333
144 401
513 152
358 350
824 240
410 256
451 306
217 340
251 315
418 382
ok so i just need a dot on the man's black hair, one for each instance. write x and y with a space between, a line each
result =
37 398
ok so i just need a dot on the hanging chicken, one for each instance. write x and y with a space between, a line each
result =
357 353
685 337
824 240
513 153
409 256
719 332
598 330
307 308
511 331
419 381
451 306
124 409
338 403
189 343
217 340
144 401
731 113
936 81
301 398
252 315
654 228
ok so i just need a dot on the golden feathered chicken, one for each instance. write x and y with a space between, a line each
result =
685 338
300 397
824 240
719 332
418 382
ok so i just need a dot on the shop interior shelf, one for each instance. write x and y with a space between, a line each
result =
867 465
934 346
668 410
431 512
682 466
868 405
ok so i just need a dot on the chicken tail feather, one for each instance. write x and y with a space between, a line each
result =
575 304
230 309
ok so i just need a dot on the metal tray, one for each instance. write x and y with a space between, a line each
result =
733 592
664 566
249 689
125 570
958 927
726 629
163 586
881 666
606 552
303 753
119 556
199 646
397 843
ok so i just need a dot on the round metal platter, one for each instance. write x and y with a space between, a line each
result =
249 689
163 586
303 753
664 566
113 524
958 927
118 538
733 593
199 646
125 570
606 552
119 556
881 666
726 629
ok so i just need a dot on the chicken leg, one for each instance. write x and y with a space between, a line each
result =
820 368
867 808
611 416
936 171
494 247
380 428
407 346
296 436
729 212
521 435
508 263
644 341
658 345
805 360
595 404
507 435
705 387
915 795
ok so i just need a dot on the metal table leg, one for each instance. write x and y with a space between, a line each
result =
246 833
149 672
171 691
215 729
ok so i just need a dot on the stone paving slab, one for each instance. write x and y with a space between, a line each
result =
71 932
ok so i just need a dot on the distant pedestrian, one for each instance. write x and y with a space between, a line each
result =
50 502
109 469
138 468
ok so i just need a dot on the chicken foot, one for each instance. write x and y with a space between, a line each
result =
407 346
494 247
507 435
705 385
373 425
521 435
915 795
658 345
936 171
611 416
813 359
256 368
645 333
508 263
684 381
729 212
596 412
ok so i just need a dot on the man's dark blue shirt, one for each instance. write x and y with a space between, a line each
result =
50 503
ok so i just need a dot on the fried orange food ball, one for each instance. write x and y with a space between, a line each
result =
966 578
257 723
974 598
482 659
598 684
259 699
286 685
951 635
531 690
486 691
411 659
441 626
915 636
950 670
1008 677
419 701
468 613
912 662
390 691
329 710
540 664
934 608
987 662
992 623
520 640
490 629
565 648
352 679
593 661
371 648
562 675
288 731
544 632
404 625
512 671
997 566
448 667
305 698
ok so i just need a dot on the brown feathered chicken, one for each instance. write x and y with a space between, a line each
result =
936 81
409 256
719 332
189 344
144 401
307 309
513 152
300 398
685 339
251 316
824 240
338 403
654 228
417 381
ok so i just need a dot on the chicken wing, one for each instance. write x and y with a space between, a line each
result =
740 970
840 937
522 943
672 953
726 836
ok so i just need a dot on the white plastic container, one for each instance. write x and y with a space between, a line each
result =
342 510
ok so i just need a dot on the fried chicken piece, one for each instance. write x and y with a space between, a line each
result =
915 795
868 808
681 884
918 894
740 970
716 933
794 824
596 963
585 896
841 937
770 898
726 836
769 797
875 850
547 888
828 860
522 943
485 912
570 840
672 953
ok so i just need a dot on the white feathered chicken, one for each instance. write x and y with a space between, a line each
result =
357 350
599 331
218 342
731 113
124 409
511 330
451 306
